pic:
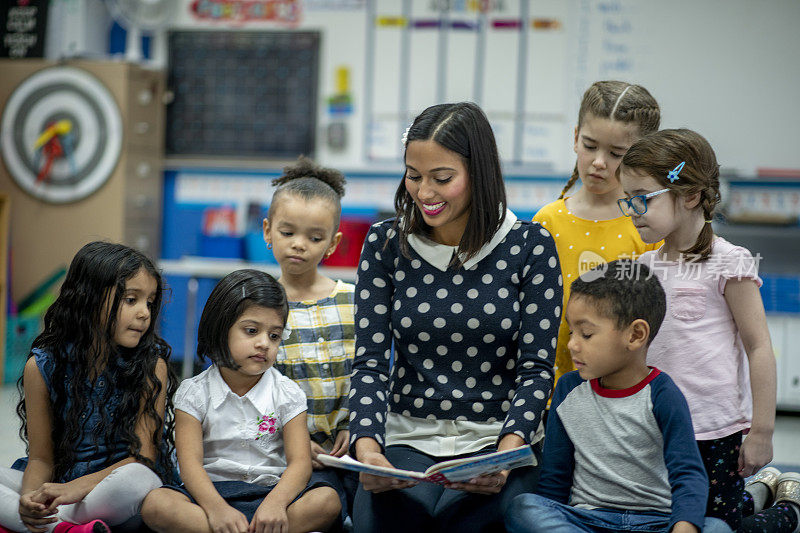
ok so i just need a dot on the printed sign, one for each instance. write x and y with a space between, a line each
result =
22 27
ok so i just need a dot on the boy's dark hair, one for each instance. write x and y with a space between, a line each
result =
308 180
79 334
235 293
624 290
464 129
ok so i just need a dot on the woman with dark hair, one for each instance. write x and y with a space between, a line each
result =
467 298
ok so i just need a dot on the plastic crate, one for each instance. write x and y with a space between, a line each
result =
20 333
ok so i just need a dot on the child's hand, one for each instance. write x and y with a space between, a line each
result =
34 514
684 527
380 483
486 484
756 451
226 519
315 450
341 443
55 494
269 519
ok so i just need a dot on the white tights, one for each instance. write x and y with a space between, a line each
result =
114 500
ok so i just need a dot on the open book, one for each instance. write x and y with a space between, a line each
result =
454 471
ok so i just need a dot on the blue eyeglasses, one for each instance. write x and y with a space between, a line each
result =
637 204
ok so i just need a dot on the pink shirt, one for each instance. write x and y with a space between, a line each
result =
698 344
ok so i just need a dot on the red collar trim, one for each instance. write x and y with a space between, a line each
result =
622 393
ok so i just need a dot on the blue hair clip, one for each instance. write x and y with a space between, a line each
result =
672 175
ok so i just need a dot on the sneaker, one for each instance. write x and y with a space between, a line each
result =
769 477
788 488
95 526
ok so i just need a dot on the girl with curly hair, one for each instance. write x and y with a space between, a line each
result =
95 399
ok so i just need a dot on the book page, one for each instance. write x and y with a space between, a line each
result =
465 469
348 463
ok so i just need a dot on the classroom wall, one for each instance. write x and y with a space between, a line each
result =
722 67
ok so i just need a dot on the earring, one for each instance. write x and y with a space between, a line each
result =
269 246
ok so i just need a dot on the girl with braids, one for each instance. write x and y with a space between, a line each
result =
586 226
95 395
302 228
715 326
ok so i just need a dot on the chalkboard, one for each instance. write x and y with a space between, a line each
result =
242 93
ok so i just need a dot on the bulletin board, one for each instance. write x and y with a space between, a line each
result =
243 93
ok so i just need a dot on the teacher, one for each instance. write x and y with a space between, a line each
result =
465 299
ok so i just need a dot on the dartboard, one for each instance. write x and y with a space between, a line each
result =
61 134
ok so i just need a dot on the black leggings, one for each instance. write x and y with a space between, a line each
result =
727 499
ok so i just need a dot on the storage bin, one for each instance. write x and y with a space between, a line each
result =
256 250
221 246
20 333
354 231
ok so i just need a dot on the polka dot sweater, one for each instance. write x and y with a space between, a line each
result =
473 344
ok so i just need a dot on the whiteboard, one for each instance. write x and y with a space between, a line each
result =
728 69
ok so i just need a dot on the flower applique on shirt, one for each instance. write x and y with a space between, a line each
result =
267 425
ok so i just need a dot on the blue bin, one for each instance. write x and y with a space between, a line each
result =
221 246
256 249
20 334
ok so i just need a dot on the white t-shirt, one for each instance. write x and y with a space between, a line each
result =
242 435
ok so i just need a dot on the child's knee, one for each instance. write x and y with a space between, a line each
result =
157 507
325 502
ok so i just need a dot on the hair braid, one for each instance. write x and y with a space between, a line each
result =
570 182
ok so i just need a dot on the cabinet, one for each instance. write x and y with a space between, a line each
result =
126 208
785 333
4 229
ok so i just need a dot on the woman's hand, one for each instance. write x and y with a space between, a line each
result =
33 513
378 484
269 518
226 519
486 484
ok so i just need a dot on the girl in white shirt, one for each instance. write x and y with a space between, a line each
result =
240 426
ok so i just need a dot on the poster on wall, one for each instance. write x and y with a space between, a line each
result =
22 28
238 13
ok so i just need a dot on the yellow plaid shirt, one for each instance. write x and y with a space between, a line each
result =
318 356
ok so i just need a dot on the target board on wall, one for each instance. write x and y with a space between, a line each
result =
61 134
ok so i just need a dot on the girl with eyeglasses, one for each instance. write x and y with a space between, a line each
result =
714 341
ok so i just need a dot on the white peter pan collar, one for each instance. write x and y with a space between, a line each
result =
439 255
219 390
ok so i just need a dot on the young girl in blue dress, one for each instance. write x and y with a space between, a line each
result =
95 396
241 436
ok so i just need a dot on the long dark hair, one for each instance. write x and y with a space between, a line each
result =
78 333
464 129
